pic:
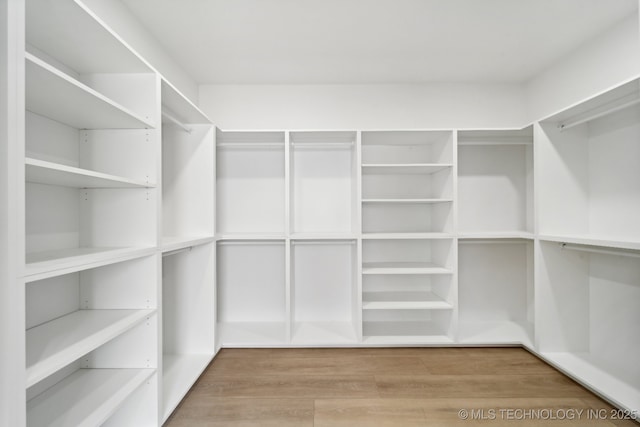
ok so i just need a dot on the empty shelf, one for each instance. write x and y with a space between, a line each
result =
53 94
179 373
85 398
55 344
592 241
403 268
403 301
415 201
177 243
251 334
396 236
43 172
400 168
313 333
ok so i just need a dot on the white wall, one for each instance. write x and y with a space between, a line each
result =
600 64
118 17
363 106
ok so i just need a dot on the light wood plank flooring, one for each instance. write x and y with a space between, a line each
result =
387 387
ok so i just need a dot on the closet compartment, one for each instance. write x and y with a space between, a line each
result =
407 182
495 291
408 256
495 183
251 183
251 296
407 148
188 172
324 292
589 180
406 217
188 319
92 337
323 183
407 327
587 316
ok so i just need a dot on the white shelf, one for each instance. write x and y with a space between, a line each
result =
584 370
505 332
178 104
250 236
250 334
41 265
403 301
177 243
407 332
409 201
54 94
55 344
43 172
323 333
403 268
179 373
496 235
405 236
592 241
404 168
86 398
322 236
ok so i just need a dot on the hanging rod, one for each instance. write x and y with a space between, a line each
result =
571 247
596 113
176 122
177 251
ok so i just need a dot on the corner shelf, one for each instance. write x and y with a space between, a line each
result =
86 398
83 107
54 344
43 172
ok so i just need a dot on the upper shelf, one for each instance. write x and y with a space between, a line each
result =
42 172
179 106
56 95
408 168
403 268
70 32
496 137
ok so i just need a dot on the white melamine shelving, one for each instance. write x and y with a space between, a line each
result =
84 107
393 300
495 182
250 183
252 296
88 397
179 372
407 256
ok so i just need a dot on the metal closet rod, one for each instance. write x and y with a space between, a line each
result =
568 124
580 248
176 122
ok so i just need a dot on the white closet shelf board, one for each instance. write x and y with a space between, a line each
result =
496 137
55 344
323 333
43 172
249 236
582 369
88 397
488 333
54 94
403 268
405 236
252 334
323 236
496 235
41 265
179 373
409 201
625 95
592 241
177 243
404 137
404 301
77 32
408 168
178 104
403 341
404 333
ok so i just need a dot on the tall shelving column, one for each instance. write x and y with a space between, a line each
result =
408 250
91 270
188 246
495 237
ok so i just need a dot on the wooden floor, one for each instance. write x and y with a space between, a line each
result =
387 387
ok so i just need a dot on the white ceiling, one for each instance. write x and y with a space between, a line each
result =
373 41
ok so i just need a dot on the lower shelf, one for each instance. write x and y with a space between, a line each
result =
324 333
500 332
179 373
88 397
248 334
416 300
405 333
580 367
